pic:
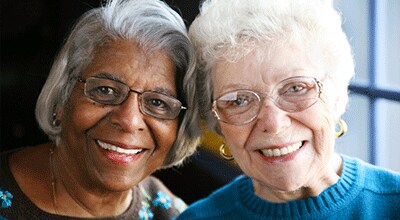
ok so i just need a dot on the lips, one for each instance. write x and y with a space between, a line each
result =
278 152
120 150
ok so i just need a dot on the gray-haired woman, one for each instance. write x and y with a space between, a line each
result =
117 105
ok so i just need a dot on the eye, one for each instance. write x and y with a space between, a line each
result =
295 89
157 102
105 90
104 93
236 99
241 100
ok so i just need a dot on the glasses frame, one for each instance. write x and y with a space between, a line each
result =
142 109
214 108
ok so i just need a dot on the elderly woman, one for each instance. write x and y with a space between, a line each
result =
118 105
274 76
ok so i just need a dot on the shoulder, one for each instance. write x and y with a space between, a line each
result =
377 179
219 203
380 180
154 187
379 188
8 186
24 181
158 200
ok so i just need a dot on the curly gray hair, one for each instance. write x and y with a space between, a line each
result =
154 26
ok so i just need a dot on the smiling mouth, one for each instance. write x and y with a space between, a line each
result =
278 152
118 149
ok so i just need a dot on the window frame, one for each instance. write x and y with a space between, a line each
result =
371 90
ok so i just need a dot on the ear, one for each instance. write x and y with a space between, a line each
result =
58 110
57 116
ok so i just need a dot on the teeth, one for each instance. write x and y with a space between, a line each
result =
118 149
281 151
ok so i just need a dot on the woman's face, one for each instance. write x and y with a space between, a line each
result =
308 168
89 127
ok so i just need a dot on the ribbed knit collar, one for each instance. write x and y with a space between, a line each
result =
334 198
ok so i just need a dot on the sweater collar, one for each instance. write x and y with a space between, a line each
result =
334 197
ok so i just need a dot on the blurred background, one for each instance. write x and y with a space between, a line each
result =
32 32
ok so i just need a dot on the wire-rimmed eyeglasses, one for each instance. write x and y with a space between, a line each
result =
111 92
242 106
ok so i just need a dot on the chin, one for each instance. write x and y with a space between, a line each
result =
281 185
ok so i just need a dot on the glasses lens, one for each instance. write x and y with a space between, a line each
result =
237 107
111 92
297 94
106 91
160 105
292 95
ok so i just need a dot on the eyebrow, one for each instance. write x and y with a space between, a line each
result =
163 91
110 76
236 86
106 75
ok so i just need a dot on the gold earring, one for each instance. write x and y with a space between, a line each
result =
223 154
343 128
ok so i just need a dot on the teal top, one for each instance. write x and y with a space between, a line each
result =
363 191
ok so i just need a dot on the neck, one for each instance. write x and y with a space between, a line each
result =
53 181
314 187
72 198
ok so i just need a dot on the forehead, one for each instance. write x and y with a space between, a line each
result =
264 67
127 62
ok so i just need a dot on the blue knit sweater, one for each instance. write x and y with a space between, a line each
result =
362 192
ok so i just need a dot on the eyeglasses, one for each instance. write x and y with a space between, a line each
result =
242 106
111 92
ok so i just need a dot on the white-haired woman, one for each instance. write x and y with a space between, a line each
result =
273 78
117 105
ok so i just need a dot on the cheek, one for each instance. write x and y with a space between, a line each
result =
320 116
235 137
80 114
320 121
165 133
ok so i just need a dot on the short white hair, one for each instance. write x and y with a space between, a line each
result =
231 29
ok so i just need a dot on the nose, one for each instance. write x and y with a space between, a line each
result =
128 115
271 119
